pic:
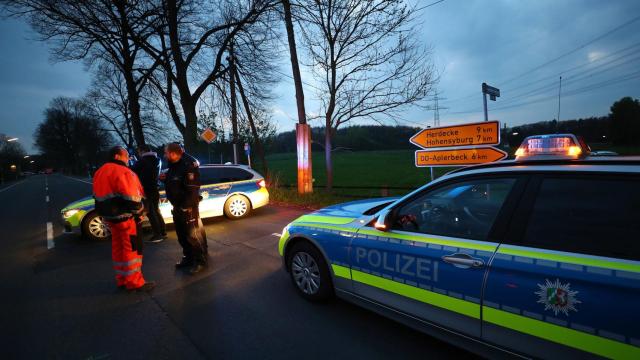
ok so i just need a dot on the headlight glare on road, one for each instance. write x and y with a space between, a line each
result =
69 213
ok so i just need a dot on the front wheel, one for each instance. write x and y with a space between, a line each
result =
237 207
94 228
309 272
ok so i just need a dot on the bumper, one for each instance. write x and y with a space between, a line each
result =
259 198
73 223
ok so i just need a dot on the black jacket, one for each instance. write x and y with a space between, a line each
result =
148 169
182 182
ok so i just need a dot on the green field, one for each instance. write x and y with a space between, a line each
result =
376 169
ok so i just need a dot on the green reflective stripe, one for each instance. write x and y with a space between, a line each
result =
425 239
572 259
333 220
565 336
282 242
341 271
443 301
328 227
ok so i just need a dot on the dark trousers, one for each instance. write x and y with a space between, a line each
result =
191 235
155 217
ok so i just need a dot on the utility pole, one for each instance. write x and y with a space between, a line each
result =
559 93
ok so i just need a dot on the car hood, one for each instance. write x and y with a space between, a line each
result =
85 203
344 213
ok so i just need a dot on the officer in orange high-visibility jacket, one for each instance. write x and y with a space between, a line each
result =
118 195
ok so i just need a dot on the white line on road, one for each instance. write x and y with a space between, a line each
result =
10 186
50 243
47 198
84 181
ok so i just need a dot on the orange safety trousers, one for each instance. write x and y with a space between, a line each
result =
127 262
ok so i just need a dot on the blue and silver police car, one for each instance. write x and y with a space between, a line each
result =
230 190
534 257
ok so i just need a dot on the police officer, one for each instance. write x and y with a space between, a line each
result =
148 169
182 184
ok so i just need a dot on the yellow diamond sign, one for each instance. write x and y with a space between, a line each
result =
208 135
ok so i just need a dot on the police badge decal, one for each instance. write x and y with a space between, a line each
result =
558 297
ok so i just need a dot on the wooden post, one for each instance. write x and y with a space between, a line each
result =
303 141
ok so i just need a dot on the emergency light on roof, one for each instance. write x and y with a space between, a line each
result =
555 146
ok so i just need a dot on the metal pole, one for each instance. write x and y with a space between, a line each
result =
486 116
431 170
559 92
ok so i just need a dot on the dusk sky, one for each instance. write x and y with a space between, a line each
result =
521 47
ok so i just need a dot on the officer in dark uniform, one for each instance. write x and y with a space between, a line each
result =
182 184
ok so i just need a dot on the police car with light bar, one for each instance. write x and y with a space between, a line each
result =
533 257
230 190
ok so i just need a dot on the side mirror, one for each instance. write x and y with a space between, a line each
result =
383 222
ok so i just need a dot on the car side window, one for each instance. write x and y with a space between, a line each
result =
234 174
209 176
595 216
465 209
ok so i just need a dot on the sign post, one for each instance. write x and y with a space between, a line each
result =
493 93
208 136
247 151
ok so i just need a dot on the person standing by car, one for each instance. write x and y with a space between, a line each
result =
148 169
118 195
182 184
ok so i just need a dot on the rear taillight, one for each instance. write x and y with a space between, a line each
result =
262 183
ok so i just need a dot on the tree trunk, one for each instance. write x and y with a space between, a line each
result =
306 183
234 102
254 130
295 67
327 154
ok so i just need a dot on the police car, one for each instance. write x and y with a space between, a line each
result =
534 257
230 190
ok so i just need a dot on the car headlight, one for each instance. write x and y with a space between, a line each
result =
69 213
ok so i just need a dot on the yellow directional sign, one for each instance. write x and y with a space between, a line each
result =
458 157
483 133
208 135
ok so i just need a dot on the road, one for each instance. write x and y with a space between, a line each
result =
59 299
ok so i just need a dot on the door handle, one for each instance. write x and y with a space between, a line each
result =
463 261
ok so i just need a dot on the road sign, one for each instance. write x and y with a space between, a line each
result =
458 157
491 91
483 133
208 135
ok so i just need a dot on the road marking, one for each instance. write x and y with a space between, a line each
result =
10 186
276 234
50 243
72 178
47 198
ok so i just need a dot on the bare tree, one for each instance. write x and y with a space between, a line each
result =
363 54
190 45
94 31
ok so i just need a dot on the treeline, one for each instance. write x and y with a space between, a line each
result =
352 138
621 127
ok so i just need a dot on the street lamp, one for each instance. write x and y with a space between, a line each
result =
31 162
26 156
12 139
515 134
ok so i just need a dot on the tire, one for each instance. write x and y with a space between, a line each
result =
237 207
94 228
309 272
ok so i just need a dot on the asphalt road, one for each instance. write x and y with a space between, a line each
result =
59 300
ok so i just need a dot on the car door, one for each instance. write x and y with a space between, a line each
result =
431 262
213 191
566 282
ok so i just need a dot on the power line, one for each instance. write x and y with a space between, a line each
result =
429 5
572 51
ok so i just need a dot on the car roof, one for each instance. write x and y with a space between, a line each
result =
617 164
